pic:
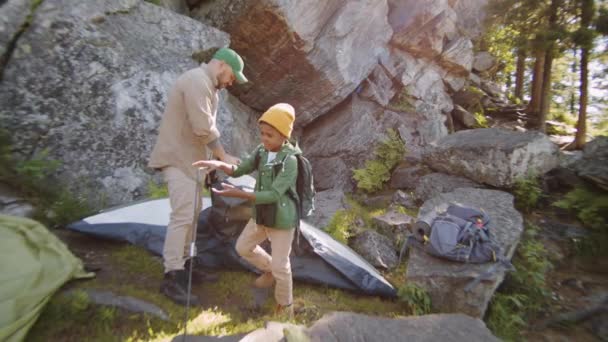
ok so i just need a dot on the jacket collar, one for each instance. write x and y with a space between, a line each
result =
209 75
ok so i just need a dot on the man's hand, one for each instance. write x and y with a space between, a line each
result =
231 159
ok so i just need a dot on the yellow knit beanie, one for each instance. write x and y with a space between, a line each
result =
280 116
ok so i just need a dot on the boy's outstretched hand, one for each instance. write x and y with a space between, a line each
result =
232 191
211 164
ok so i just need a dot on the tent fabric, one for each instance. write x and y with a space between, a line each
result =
317 258
34 264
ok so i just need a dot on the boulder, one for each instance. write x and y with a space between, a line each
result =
471 16
378 200
457 56
177 6
12 204
376 248
464 117
406 177
454 82
422 27
379 86
594 164
326 204
483 61
88 82
493 90
394 225
437 183
309 54
469 98
404 199
347 326
445 280
493 156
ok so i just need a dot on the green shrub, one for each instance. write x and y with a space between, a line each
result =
480 119
377 171
157 191
33 179
524 292
527 192
591 207
504 317
340 225
416 298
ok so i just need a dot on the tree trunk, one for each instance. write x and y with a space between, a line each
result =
519 74
581 124
537 84
545 97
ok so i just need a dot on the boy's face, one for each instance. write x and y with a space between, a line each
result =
271 138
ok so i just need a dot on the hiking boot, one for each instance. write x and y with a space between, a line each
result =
198 275
285 311
264 281
173 287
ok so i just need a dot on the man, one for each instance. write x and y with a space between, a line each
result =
188 133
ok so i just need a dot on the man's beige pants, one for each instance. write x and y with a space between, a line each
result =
179 231
248 247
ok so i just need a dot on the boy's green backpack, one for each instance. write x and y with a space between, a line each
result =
305 190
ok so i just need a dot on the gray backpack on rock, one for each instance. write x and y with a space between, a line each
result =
459 234
462 234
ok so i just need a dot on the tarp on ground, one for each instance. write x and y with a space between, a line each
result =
34 263
317 258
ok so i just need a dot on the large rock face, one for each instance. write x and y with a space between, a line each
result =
308 53
88 82
342 140
13 14
445 280
493 156
430 29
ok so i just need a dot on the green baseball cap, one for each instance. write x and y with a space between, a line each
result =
235 61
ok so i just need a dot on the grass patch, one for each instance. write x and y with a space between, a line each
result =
416 298
524 292
377 171
136 260
342 223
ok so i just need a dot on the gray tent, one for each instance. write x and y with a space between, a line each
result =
317 258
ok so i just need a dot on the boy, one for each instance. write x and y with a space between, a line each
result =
275 212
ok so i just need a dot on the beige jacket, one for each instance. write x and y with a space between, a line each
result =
188 123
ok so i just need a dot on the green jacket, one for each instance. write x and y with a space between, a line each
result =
272 191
